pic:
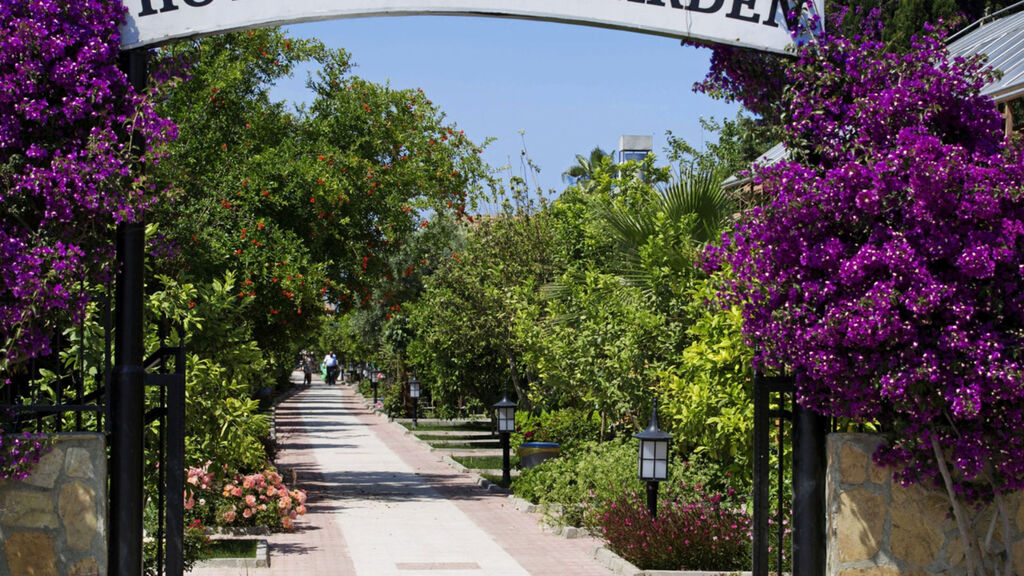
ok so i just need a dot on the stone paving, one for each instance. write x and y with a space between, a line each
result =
382 504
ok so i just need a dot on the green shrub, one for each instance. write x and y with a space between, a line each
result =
576 489
568 427
595 472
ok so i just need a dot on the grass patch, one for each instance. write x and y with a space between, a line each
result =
496 479
475 425
230 549
479 462
473 446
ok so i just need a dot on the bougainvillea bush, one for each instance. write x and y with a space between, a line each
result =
698 534
886 271
19 452
68 169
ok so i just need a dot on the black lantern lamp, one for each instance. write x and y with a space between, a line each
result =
654 443
506 424
374 377
414 393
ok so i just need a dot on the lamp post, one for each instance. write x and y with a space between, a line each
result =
414 393
653 458
374 376
506 424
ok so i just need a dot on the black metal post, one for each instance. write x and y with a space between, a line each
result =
761 479
127 395
652 498
374 382
176 465
127 391
415 411
809 461
506 466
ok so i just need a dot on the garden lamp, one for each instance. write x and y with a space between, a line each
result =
374 376
414 393
506 424
653 458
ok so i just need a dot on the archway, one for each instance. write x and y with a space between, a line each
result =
759 24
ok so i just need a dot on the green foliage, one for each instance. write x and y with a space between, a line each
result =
224 368
707 398
570 428
576 489
564 486
465 347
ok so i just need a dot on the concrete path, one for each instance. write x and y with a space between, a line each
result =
382 504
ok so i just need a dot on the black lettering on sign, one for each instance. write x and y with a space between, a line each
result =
674 3
197 3
147 7
737 5
772 19
694 6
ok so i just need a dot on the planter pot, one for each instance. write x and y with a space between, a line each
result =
533 453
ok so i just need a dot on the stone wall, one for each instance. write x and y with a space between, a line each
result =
54 523
879 528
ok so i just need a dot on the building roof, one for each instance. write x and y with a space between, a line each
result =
773 155
1002 41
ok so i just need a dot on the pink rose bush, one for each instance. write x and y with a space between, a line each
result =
260 499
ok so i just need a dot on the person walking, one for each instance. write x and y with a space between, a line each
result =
331 366
307 369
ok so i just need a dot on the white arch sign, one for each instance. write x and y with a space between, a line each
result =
757 24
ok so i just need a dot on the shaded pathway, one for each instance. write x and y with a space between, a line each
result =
382 504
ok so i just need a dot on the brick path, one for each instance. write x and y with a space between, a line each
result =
381 504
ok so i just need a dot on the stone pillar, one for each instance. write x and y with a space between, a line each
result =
877 527
54 522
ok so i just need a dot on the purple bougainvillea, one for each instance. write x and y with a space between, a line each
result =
886 273
67 167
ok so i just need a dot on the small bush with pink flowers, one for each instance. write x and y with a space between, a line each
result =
686 535
243 500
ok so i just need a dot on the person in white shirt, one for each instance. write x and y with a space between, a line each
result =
331 364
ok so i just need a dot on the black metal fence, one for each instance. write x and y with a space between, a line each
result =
68 392
795 521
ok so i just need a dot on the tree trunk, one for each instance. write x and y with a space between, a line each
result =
975 567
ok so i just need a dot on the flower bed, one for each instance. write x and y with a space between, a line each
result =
240 500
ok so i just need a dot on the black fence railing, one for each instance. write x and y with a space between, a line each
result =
67 392
169 416
801 433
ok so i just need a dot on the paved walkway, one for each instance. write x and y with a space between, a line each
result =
381 504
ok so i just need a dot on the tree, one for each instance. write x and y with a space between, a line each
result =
585 167
884 273
306 205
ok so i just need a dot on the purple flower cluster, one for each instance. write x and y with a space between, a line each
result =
18 452
67 166
886 272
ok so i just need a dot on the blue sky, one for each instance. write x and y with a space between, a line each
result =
568 88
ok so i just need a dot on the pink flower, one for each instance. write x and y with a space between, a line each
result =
250 500
300 510
236 492
229 516
286 522
246 513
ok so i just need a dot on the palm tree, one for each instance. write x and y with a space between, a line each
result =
585 167
688 213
